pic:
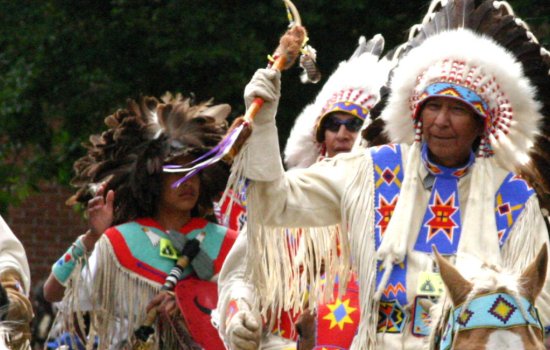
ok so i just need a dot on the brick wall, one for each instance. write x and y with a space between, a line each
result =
46 227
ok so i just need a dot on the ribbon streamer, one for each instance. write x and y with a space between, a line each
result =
284 56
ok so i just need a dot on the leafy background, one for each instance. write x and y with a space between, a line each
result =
65 65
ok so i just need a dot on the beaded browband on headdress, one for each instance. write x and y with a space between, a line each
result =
350 101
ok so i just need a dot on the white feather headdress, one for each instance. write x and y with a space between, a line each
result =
466 59
357 80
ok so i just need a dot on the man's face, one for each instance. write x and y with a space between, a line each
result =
340 132
181 199
449 127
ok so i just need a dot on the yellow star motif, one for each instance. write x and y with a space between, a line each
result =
343 319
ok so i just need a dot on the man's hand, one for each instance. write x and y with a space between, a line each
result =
266 84
100 215
244 329
164 302
305 327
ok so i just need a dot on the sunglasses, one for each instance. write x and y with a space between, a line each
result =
352 125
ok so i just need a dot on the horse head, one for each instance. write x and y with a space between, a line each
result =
494 310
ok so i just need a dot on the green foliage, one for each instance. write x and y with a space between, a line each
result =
65 65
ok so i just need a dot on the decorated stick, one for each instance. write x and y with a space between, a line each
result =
291 44
189 251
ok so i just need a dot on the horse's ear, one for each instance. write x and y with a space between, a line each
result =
458 286
534 276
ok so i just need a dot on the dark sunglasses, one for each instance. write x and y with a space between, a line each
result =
352 125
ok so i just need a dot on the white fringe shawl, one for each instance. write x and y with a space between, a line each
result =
305 288
359 207
272 254
294 255
517 253
119 298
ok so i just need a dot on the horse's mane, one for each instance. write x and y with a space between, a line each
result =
490 277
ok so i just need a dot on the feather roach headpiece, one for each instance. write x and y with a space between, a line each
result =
481 53
130 155
353 88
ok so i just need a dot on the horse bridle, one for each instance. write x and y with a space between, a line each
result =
494 310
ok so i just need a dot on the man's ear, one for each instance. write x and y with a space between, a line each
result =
480 124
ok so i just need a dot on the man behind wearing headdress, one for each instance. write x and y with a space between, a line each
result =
464 116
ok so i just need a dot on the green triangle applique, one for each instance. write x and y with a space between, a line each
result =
167 249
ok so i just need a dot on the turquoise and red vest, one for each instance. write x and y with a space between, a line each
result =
137 252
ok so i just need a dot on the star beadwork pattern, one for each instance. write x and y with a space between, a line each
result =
442 221
385 209
339 314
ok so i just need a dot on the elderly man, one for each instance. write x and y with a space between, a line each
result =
462 123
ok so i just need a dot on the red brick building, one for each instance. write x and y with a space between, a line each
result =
46 227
